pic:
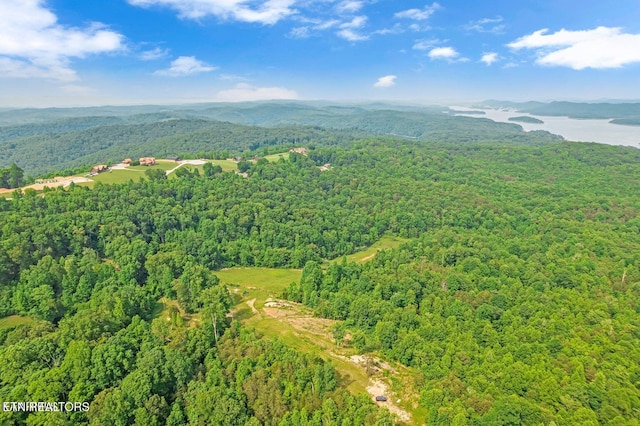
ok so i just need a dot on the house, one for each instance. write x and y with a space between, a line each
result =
176 159
302 151
98 169
147 161
381 398
126 161
325 167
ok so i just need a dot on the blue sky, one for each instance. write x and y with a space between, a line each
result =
78 52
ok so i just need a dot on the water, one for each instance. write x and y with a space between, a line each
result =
600 131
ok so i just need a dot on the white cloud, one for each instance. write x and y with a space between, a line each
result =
386 81
357 22
75 89
351 35
349 6
602 47
418 14
448 53
489 58
426 44
348 29
268 12
316 25
154 54
300 32
245 92
186 65
232 77
487 25
34 44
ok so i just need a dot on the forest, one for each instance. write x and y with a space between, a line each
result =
514 300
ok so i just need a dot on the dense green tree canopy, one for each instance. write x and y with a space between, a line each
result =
515 299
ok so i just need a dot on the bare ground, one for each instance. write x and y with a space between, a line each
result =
253 308
295 315
378 387
52 183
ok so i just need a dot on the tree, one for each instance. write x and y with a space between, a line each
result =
156 174
211 170
244 166
216 304
12 177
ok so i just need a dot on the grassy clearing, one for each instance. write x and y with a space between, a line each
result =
116 176
14 320
277 157
385 243
227 165
164 307
257 283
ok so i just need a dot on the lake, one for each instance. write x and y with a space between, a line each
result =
600 131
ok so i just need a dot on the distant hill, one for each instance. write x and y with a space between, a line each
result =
602 110
54 139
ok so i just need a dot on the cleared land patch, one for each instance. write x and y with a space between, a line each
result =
385 243
277 157
165 307
256 291
15 320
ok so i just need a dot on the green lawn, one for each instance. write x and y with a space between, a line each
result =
160 164
277 157
117 176
14 320
258 283
227 165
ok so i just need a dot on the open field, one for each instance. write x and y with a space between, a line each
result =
384 243
14 320
259 283
117 176
227 165
277 157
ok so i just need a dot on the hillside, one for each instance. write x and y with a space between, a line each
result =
60 139
510 295
601 110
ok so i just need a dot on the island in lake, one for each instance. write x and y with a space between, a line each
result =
526 119
626 121
470 112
